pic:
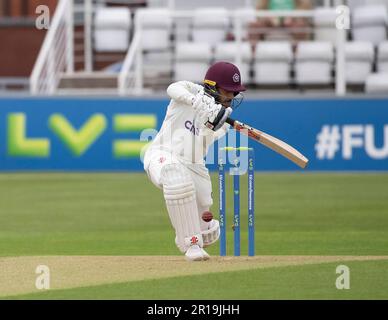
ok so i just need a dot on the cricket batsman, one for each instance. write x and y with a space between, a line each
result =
174 160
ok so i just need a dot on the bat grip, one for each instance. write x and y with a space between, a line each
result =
230 121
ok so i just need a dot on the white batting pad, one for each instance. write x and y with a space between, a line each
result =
179 193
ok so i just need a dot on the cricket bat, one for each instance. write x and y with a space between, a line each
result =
271 142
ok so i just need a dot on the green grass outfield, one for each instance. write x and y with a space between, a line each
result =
123 215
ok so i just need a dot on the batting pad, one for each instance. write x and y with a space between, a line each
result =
179 193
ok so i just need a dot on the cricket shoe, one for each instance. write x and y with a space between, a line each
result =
196 253
205 255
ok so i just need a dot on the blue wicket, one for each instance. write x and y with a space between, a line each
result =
221 178
251 204
236 202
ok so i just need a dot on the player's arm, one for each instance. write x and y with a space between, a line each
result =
211 114
184 91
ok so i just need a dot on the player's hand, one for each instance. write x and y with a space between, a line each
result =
205 107
209 113
202 101
220 119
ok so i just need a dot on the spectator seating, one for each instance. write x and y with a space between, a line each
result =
325 24
156 27
273 63
369 23
227 51
382 57
314 63
377 83
359 61
210 25
246 16
352 4
191 5
112 29
192 60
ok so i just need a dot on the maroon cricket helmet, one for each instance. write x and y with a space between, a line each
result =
224 75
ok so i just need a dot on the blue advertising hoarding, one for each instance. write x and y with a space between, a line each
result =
109 134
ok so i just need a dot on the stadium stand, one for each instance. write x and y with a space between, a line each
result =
192 60
370 23
382 60
314 61
210 25
227 51
156 27
359 61
177 36
273 63
324 24
377 83
112 27
18 35
245 16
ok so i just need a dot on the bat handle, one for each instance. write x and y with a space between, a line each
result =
230 121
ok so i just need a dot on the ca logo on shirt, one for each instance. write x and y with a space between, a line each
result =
189 125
